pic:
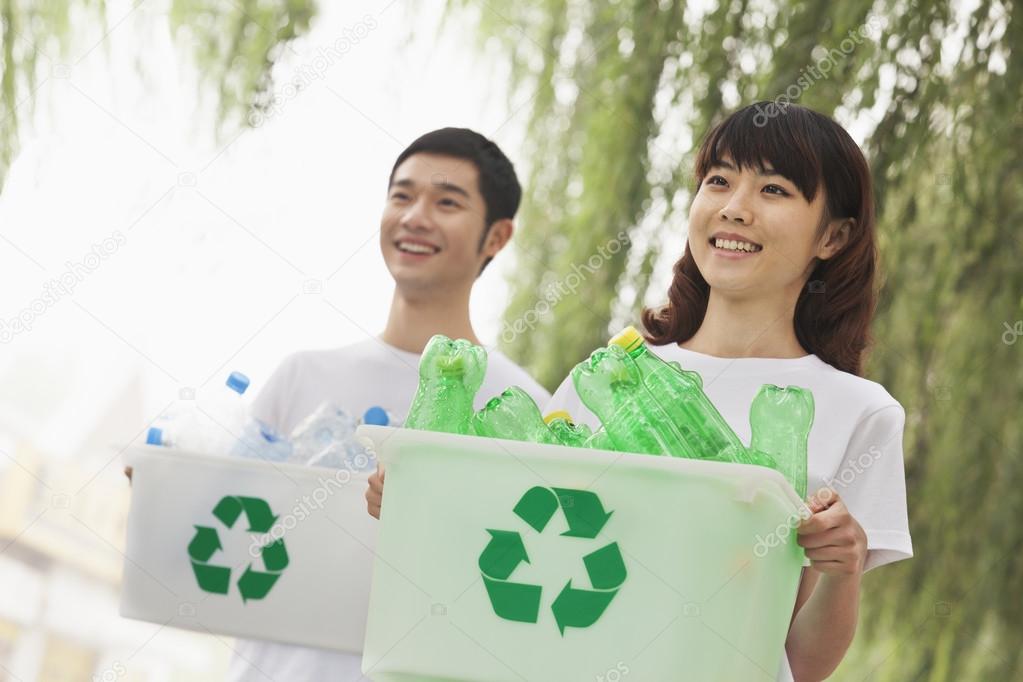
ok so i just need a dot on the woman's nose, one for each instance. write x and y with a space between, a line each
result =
737 213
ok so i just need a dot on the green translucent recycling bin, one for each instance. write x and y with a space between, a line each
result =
503 560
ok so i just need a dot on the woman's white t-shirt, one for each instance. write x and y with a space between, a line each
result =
855 443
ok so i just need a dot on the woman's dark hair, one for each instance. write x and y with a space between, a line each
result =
835 309
498 183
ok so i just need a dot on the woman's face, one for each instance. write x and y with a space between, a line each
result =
770 215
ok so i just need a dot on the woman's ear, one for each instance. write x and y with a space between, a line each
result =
836 239
499 234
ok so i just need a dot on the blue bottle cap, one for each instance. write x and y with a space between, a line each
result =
237 382
376 416
154 436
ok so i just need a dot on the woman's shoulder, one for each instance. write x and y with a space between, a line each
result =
872 395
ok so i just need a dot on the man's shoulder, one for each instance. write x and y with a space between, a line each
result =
338 357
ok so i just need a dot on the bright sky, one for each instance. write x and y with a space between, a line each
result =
210 246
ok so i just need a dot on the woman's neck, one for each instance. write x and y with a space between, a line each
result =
737 327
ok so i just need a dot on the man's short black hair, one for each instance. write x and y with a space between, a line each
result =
497 180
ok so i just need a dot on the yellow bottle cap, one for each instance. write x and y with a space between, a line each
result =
629 339
557 414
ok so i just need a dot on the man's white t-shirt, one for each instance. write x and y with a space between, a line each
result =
855 443
357 377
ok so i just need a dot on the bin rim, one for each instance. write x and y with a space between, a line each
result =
376 436
135 454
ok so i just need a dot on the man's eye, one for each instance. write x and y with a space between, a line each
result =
775 189
399 196
449 203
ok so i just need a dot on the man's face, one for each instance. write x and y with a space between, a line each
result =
432 223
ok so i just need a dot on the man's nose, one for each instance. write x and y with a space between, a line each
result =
416 216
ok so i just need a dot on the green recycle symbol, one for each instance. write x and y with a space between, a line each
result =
573 607
205 543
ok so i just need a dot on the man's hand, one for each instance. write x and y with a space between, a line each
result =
375 492
834 541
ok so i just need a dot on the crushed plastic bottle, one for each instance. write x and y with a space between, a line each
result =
326 425
450 374
780 421
513 416
566 431
259 440
327 438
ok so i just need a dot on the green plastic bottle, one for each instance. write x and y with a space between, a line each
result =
608 382
566 431
450 373
780 419
514 416
704 432
599 441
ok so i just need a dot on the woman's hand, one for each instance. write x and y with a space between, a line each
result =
834 541
375 492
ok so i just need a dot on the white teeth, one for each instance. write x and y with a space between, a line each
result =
733 245
412 247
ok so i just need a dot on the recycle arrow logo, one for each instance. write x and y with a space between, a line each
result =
573 607
253 584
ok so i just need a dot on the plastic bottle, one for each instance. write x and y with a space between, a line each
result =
218 423
608 382
225 408
326 425
177 428
704 432
327 438
780 419
450 373
212 424
566 431
599 441
259 440
514 416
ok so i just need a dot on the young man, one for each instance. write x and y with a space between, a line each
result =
451 200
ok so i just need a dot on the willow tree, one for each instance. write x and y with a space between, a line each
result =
234 44
621 94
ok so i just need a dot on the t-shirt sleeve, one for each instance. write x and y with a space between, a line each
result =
270 405
871 480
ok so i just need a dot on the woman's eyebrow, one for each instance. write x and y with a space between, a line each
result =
763 172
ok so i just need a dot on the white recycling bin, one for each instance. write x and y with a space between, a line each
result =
507 561
254 549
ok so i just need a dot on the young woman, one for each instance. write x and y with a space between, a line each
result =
777 285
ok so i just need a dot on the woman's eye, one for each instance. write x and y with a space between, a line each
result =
716 180
775 189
